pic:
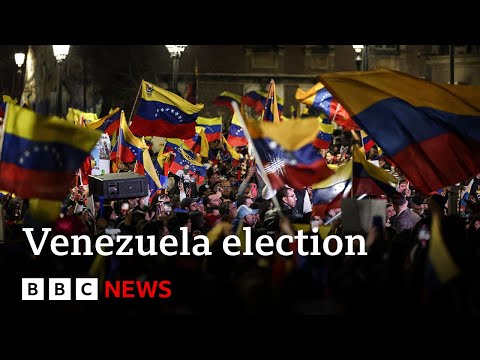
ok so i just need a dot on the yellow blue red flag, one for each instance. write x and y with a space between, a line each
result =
40 155
165 114
431 132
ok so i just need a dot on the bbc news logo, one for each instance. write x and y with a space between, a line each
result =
87 289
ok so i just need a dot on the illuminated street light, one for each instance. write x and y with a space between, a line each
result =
175 53
60 52
358 58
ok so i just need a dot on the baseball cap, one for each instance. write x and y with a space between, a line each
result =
244 210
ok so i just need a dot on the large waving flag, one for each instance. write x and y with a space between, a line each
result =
165 114
370 179
212 126
272 112
226 98
257 100
108 124
320 98
40 155
130 148
328 193
287 152
236 135
431 132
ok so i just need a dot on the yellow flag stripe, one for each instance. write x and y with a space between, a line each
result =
27 124
442 262
151 92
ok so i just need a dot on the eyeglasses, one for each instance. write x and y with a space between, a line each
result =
291 195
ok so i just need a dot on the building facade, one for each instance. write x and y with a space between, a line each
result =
97 78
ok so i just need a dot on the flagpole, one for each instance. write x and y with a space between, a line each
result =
258 160
135 103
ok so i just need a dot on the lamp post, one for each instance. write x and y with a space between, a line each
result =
60 52
175 53
358 58
19 60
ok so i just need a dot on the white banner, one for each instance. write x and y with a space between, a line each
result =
101 156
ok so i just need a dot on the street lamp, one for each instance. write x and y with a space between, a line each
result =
358 58
60 52
19 60
175 53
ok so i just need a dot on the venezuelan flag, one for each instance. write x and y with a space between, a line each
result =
272 111
324 137
328 193
320 98
287 152
40 155
226 98
199 143
431 132
75 116
212 126
152 173
165 114
183 158
370 179
367 141
108 124
236 135
258 100
235 155
174 145
129 146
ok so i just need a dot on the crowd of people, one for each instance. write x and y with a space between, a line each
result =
390 279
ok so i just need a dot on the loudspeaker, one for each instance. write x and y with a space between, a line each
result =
124 185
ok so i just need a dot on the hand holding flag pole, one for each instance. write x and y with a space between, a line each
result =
284 222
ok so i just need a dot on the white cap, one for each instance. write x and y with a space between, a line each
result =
268 193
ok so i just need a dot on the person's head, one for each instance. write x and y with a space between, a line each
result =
287 196
213 175
249 216
329 157
402 186
189 204
399 202
436 202
212 200
390 211
417 204
184 220
226 188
